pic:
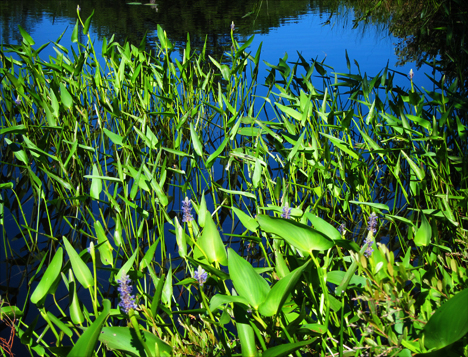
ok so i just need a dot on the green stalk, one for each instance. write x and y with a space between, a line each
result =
136 327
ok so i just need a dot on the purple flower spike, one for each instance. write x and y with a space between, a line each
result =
233 27
200 275
186 209
372 223
411 74
286 211
369 249
127 301
342 229
18 101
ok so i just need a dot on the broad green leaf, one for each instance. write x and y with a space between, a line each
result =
323 226
247 282
127 266
180 238
115 138
202 211
125 339
80 269
242 193
337 276
257 174
211 244
96 184
76 313
420 174
280 291
245 332
105 248
424 234
218 151
60 324
449 323
11 311
26 37
148 258
86 344
197 146
74 37
65 97
87 23
248 222
49 277
379 206
286 349
297 234
218 300
167 288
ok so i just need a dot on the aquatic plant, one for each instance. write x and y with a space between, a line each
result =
152 129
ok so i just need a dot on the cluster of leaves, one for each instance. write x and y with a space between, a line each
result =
107 148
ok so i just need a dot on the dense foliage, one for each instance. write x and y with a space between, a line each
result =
330 207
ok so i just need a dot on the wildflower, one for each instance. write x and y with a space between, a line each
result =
372 223
200 275
127 301
342 229
233 27
187 208
369 248
411 74
18 101
286 211
78 8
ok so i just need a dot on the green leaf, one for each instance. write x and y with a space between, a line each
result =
245 279
248 222
86 344
148 258
76 313
104 247
197 146
379 206
299 235
60 324
286 349
323 226
420 174
218 151
80 269
127 266
211 244
49 277
219 299
11 311
424 234
115 138
180 238
167 288
65 96
74 37
449 323
125 339
96 184
26 37
87 23
280 291
337 276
